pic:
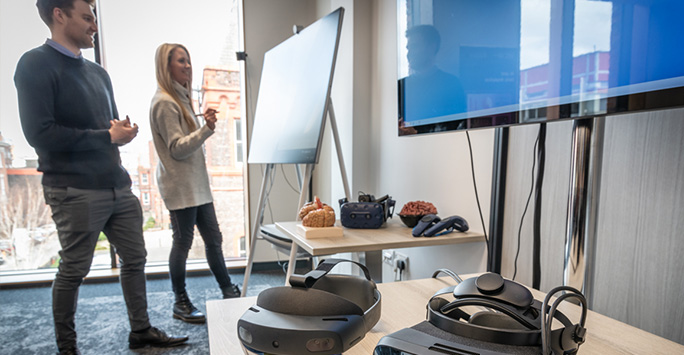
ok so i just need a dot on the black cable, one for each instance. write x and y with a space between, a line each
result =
288 181
536 226
477 198
527 204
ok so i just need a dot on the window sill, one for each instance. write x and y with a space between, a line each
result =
45 277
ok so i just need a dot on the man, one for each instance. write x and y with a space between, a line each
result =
429 93
68 115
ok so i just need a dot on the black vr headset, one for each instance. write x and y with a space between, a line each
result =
319 314
516 325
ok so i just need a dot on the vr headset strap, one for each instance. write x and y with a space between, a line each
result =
564 340
310 278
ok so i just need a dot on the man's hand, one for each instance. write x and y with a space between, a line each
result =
122 132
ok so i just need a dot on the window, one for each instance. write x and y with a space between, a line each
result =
28 239
211 36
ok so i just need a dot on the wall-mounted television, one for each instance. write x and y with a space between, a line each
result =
467 64
293 95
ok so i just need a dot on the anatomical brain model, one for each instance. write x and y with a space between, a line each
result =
317 214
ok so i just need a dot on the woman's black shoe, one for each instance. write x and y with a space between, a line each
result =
184 310
70 351
231 291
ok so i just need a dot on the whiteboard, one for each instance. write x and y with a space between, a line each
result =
293 95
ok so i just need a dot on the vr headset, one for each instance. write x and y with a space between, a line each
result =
319 313
368 213
517 324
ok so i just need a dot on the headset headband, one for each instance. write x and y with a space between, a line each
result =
519 321
321 313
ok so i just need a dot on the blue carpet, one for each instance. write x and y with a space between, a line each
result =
101 322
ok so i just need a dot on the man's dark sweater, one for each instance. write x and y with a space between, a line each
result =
65 105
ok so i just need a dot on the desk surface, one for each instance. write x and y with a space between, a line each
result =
392 236
403 305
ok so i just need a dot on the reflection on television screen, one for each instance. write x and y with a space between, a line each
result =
470 64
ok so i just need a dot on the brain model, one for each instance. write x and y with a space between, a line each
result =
418 208
317 214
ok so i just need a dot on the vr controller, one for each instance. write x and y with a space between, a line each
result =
431 225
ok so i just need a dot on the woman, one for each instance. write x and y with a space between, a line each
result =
182 175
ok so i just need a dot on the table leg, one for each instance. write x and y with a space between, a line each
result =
292 262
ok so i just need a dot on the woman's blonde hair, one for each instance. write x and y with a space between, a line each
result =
165 82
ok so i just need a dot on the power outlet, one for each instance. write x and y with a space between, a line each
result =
400 261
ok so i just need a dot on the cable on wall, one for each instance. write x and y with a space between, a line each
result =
477 197
536 231
527 204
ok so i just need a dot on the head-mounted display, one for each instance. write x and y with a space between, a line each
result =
319 314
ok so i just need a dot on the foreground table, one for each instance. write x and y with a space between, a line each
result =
403 305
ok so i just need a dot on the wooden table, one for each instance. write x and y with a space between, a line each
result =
403 305
394 235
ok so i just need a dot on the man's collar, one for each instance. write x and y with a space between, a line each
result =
61 49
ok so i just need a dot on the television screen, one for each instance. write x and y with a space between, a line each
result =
293 95
470 64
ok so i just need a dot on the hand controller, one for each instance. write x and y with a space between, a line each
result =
447 225
426 222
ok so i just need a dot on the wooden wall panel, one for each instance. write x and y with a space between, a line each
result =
638 273
640 231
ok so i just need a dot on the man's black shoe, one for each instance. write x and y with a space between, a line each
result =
153 337
70 351
231 291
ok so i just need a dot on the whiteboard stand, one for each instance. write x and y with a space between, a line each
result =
263 198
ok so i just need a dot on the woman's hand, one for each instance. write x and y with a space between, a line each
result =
210 118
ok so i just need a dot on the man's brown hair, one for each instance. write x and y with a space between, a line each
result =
45 8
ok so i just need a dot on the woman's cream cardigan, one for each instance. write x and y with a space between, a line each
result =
182 172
